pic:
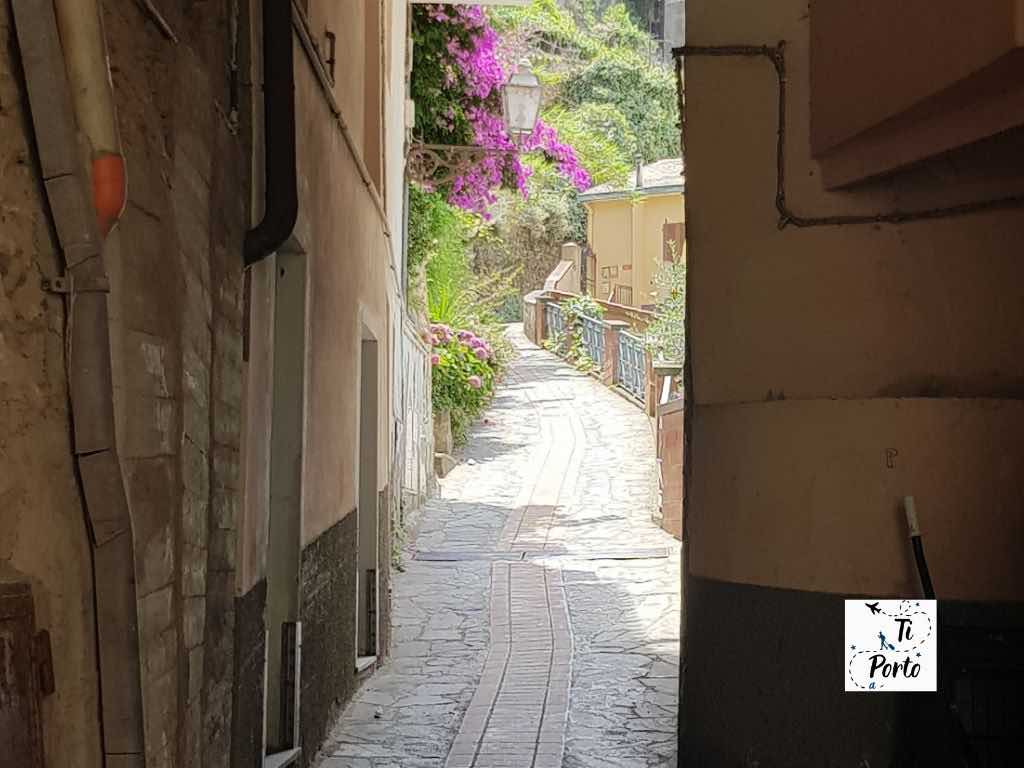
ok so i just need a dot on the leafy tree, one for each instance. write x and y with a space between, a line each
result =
602 137
644 95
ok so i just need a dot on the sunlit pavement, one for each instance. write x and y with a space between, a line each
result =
536 623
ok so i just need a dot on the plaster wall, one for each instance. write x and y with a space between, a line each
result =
832 371
946 42
343 235
923 309
627 232
396 87
610 226
655 211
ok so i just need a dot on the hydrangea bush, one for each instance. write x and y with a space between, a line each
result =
463 370
456 84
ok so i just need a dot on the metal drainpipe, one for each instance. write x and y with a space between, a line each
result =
80 215
281 206
85 55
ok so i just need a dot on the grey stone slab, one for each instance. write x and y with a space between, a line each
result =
450 556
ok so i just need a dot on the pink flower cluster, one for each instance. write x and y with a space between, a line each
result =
441 335
482 72
480 348
475 53
545 138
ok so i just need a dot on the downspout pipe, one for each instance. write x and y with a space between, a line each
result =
80 223
281 207
85 56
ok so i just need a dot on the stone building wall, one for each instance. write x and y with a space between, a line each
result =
176 309
186 83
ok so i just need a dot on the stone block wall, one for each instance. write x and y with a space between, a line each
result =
176 307
175 312
328 600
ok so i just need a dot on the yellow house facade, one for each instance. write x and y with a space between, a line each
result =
628 230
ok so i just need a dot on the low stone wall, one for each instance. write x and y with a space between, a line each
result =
413 414
529 317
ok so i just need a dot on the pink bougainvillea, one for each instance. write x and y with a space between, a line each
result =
458 95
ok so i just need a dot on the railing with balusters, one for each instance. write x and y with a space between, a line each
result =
628 364
593 338
554 320
632 367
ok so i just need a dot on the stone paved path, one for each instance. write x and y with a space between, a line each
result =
543 630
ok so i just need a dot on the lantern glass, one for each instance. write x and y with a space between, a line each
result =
521 102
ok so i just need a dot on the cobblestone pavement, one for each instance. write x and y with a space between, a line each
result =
536 624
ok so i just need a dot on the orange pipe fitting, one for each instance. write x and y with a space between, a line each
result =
108 190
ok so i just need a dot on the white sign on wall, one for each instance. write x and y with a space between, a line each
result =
891 645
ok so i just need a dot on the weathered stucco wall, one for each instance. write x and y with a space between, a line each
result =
177 309
43 536
923 309
834 370
343 234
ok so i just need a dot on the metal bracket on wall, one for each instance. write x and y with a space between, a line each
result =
776 55
332 41
441 163
64 284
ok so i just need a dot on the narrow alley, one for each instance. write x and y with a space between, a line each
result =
536 621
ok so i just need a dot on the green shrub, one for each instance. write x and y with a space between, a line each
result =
666 335
463 372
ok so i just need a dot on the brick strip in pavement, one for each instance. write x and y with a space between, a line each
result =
517 716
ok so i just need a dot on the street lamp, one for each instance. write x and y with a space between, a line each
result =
520 100
520 107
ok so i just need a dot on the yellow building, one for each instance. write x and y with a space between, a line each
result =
628 228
